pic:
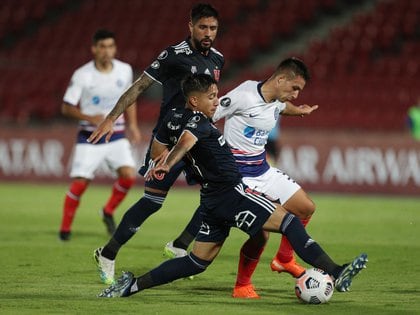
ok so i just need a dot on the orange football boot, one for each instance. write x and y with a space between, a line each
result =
245 292
291 267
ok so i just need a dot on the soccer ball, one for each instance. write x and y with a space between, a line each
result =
315 286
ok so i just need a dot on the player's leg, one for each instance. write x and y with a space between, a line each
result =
132 220
86 159
301 206
205 250
179 246
249 257
119 157
310 251
279 187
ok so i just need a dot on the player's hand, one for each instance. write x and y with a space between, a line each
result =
104 128
96 119
307 109
157 172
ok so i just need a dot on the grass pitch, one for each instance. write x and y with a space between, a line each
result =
41 275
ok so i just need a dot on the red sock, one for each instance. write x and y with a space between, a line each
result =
71 202
285 251
248 260
119 191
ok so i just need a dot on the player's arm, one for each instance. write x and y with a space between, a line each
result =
74 112
184 144
127 99
302 110
133 131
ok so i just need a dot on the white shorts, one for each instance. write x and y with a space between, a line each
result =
88 157
275 184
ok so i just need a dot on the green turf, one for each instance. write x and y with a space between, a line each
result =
41 275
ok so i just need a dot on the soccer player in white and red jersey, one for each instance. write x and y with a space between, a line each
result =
93 91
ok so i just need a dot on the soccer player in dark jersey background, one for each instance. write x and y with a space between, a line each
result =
225 200
193 55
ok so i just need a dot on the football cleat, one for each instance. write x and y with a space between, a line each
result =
106 267
108 220
245 292
171 252
122 287
343 282
64 236
291 267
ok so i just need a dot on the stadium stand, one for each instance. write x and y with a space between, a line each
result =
365 71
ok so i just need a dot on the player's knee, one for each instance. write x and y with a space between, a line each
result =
308 209
198 265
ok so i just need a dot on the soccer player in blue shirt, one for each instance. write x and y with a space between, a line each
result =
193 55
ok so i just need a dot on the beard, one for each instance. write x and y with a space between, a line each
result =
200 47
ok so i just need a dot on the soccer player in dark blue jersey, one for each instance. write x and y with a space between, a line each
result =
225 201
193 55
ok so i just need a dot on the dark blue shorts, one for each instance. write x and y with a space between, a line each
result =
237 207
165 183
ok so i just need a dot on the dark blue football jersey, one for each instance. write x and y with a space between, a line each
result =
173 64
210 159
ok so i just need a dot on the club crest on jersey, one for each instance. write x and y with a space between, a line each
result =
216 74
163 55
225 102
155 64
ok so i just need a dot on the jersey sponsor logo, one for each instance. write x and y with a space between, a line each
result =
249 131
163 55
185 50
216 74
96 100
171 126
207 71
194 119
191 125
193 69
225 102
245 219
155 64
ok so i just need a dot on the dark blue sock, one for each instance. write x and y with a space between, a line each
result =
190 231
131 222
305 247
171 270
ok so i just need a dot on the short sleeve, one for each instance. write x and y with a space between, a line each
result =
228 105
74 90
157 68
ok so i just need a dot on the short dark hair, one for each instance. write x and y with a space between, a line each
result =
294 66
203 10
196 82
102 34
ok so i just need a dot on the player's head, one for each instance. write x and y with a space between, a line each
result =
200 92
103 46
290 78
203 26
